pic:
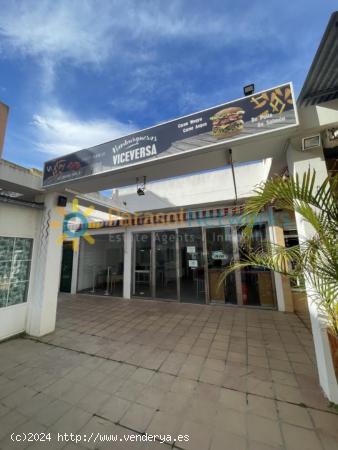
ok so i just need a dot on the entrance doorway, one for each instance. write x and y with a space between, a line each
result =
155 265
170 265
66 267
166 265
191 265
101 265
142 286
185 265
257 284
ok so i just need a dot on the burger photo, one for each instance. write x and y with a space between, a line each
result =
227 122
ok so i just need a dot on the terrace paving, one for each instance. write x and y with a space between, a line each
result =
230 378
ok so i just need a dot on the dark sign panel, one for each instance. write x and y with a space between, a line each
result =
270 110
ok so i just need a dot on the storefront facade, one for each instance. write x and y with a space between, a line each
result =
181 263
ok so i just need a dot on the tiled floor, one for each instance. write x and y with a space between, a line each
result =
229 378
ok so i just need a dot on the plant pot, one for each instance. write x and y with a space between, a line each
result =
333 339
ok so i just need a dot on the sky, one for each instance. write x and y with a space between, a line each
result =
78 73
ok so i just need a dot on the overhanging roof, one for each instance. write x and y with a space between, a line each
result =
321 84
17 179
19 185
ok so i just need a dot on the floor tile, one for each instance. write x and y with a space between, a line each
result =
72 421
137 417
199 436
223 440
261 406
297 436
294 415
233 400
263 430
114 408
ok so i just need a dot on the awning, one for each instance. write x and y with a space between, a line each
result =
321 84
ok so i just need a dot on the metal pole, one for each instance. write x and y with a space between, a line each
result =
108 279
233 173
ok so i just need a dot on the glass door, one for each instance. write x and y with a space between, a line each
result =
191 265
115 264
101 265
142 279
256 282
220 255
66 266
166 265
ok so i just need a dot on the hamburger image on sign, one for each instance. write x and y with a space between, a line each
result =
227 122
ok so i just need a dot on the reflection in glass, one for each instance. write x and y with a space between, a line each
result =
220 255
191 271
165 263
66 267
257 285
6 248
20 270
101 265
15 261
17 293
142 265
3 294
5 271
22 249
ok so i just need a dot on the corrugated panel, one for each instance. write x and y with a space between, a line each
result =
321 84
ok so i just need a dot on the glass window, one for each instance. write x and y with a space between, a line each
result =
291 240
257 285
220 256
142 265
101 265
191 267
15 262
165 263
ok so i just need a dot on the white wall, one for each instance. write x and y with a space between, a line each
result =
299 162
17 221
323 115
198 188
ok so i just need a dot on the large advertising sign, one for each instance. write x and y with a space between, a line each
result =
265 111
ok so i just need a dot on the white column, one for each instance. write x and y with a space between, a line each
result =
238 276
299 162
127 265
277 276
46 278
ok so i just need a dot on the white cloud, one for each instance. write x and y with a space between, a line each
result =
57 30
93 32
57 132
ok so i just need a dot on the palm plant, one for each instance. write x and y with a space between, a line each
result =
316 258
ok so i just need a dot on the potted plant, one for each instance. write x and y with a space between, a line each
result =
315 259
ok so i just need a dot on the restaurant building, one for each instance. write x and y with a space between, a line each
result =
175 219
180 254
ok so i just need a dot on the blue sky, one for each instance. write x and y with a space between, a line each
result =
77 73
